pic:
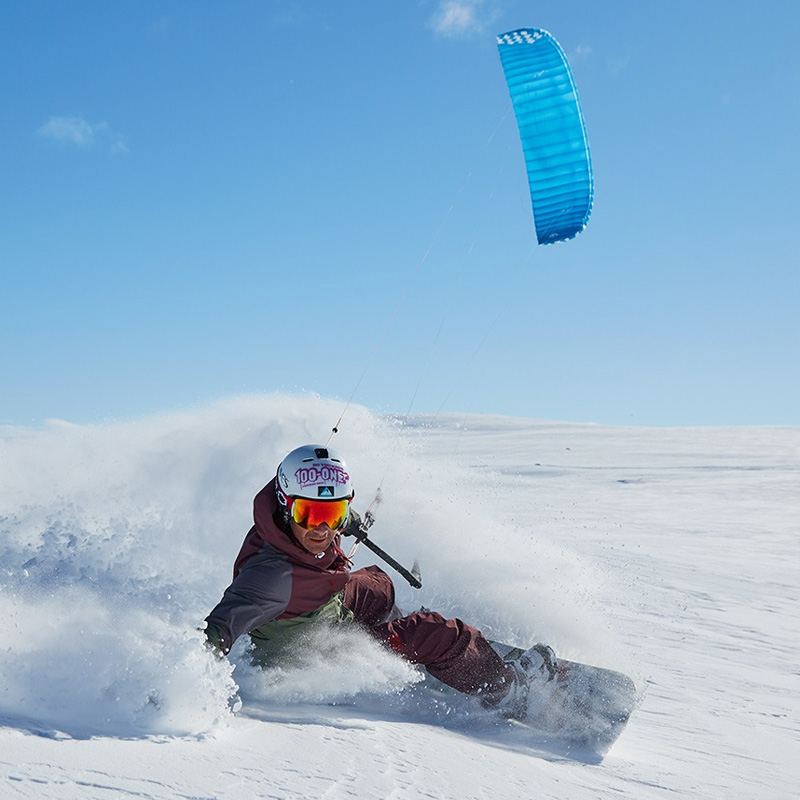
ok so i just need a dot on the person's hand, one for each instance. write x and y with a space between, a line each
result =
213 642
353 524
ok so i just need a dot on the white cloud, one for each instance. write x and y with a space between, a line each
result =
458 17
77 132
71 130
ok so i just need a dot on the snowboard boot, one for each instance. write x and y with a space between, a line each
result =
534 684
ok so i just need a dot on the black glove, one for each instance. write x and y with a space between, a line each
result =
353 527
213 641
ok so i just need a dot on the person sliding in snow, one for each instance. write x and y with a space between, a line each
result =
291 572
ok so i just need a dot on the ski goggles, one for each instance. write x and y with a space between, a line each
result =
310 514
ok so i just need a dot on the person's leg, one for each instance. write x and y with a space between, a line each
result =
452 651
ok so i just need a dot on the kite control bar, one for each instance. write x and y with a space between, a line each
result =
360 533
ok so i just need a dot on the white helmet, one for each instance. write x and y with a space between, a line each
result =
314 472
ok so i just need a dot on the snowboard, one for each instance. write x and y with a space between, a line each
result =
582 704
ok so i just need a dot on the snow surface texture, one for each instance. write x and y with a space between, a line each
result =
670 554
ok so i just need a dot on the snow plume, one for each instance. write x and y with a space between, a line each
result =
76 662
506 570
333 666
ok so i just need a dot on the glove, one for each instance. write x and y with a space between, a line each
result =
213 642
353 525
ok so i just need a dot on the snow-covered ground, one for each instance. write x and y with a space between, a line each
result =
670 554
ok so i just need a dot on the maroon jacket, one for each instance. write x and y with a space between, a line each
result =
275 578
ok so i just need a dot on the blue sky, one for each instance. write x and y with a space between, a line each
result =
203 199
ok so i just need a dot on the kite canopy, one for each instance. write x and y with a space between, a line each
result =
552 131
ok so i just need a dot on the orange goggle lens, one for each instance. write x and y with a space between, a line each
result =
309 514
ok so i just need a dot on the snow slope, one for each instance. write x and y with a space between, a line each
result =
671 554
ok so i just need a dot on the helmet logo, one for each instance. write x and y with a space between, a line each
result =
324 491
315 474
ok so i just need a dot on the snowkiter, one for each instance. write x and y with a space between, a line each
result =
291 572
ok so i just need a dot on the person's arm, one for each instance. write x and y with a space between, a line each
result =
258 594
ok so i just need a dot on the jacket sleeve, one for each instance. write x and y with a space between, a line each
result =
258 594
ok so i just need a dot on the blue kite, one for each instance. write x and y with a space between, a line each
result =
552 130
